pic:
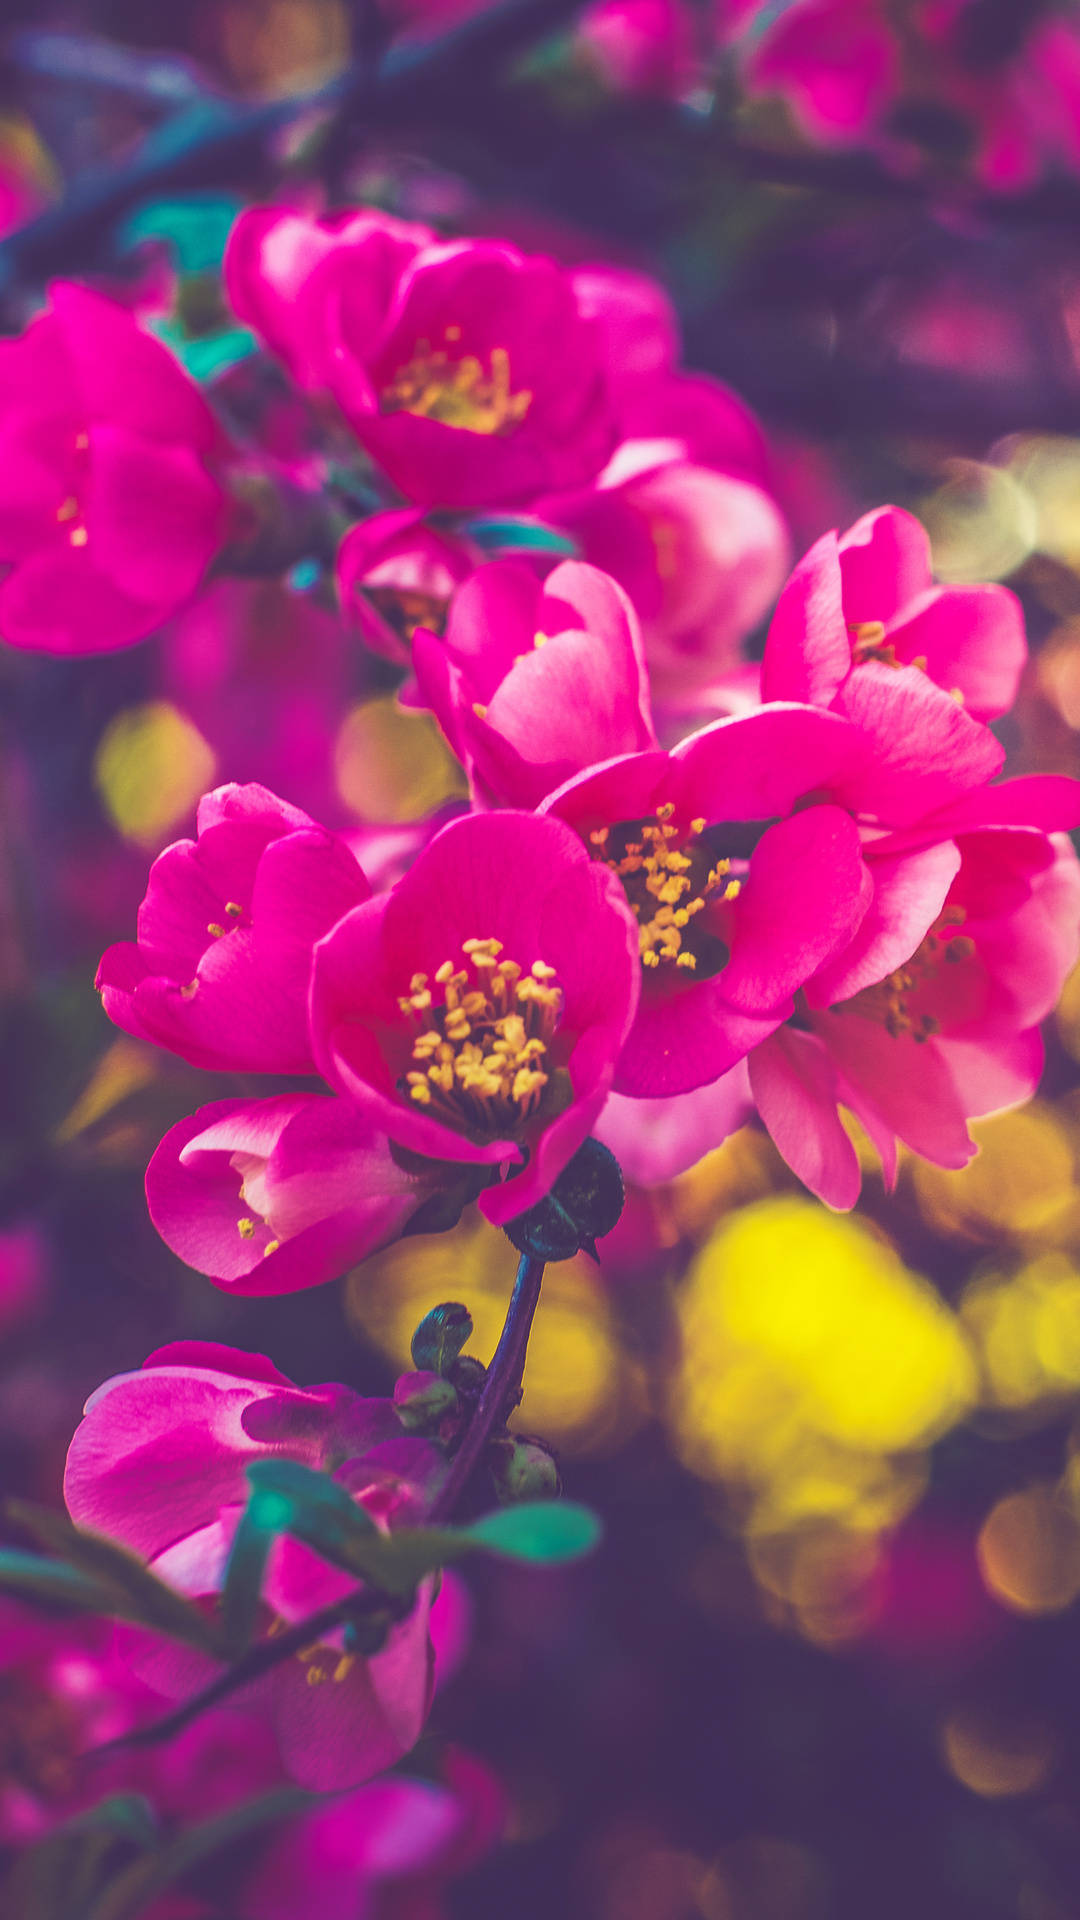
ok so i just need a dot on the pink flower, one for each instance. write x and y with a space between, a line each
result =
266 673
530 683
476 1012
395 1839
466 368
745 869
1024 99
916 1039
655 1140
701 552
158 1464
835 61
220 971
66 1691
866 602
642 46
109 509
268 1196
396 573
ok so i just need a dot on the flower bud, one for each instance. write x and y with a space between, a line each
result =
523 1470
422 1400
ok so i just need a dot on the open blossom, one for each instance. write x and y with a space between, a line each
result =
532 682
469 1021
476 1012
268 1196
110 511
158 1464
466 368
951 1031
220 970
867 599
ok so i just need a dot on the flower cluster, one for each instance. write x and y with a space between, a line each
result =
820 901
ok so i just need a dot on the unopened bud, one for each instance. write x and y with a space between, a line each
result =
523 1470
422 1400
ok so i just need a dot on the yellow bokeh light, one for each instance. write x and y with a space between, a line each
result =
1021 1182
150 767
811 1355
997 1761
580 1390
1026 1330
1047 467
982 522
392 765
1029 1551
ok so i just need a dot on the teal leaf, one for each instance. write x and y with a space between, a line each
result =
517 533
544 1532
439 1338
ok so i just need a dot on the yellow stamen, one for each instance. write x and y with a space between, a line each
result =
459 393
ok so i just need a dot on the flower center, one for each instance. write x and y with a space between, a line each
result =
459 393
669 881
892 1003
406 608
868 642
480 1058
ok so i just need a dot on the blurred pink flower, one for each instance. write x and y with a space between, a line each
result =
395 573
110 511
265 673
158 1464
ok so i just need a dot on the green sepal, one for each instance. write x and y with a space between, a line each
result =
584 1203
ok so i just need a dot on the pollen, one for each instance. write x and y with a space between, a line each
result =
246 1228
670 878
894 1002
458 392
78 536
481 1058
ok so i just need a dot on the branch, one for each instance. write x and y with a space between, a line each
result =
214 137
501 1387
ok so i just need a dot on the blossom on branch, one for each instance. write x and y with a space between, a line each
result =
110 506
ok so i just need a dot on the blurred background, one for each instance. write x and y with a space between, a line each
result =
827 1663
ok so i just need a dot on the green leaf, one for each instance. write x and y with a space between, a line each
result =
133 1890
544 1532
129 1589
516 533
50 1582
439 1338
196 229
244 1573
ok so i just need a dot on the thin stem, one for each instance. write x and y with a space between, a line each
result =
500 1387
500 1390
261 1658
